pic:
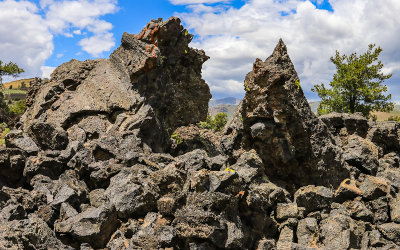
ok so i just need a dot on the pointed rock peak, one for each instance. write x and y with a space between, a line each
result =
280 49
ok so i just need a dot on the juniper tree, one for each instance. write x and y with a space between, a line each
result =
9 69
356 85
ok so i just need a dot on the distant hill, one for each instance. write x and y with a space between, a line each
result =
18 83
224 101
228 105
14 91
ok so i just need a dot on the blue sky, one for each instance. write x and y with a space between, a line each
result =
42 34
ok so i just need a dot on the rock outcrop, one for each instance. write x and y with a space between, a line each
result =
108 156
278 123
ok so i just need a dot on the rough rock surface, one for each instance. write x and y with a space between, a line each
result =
279 124
108 156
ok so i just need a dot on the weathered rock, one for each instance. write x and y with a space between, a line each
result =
192 137
30 233
342 124
279 124
93 226
286 239
358 210
362 154
286 210
391 231
335 232
395 209
266 244
307 232
385 135
249 166
132 192
347 191
12 162
155 232
380 208
16 139
48 136
373 188
313 198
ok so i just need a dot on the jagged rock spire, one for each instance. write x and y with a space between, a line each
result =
294 144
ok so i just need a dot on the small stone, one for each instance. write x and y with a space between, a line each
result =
286 210
391 231
358 210
347 191
285 239
166 205
395 209
313 198
373 187
307 232
97 197
380 209
266 244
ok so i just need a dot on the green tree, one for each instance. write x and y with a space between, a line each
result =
356 86
9 69
216 123
18 107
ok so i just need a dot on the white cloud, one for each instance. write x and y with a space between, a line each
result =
183 2
27 29
46 71
64 17
233 38
24 37
97 44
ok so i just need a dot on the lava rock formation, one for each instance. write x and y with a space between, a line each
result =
108 156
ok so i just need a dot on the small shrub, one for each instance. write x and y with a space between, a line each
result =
394 118
177 138
216 123
18 107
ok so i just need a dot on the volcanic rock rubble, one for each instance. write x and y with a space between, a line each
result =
108 156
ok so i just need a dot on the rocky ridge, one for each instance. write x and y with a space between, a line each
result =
108 156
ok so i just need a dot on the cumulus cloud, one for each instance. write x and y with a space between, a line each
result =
66 17
31 49
27 29
97 44
46 71
234 37
184 2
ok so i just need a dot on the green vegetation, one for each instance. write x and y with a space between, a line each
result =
177 138
356 86
297 82
394 118
215 123
246 87
3 132
18 107
9 69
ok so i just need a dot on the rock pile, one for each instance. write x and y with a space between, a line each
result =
107 156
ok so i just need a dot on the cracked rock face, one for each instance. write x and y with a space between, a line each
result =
151 83
279 124
93 163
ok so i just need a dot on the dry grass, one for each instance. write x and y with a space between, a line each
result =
17 84
383 116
